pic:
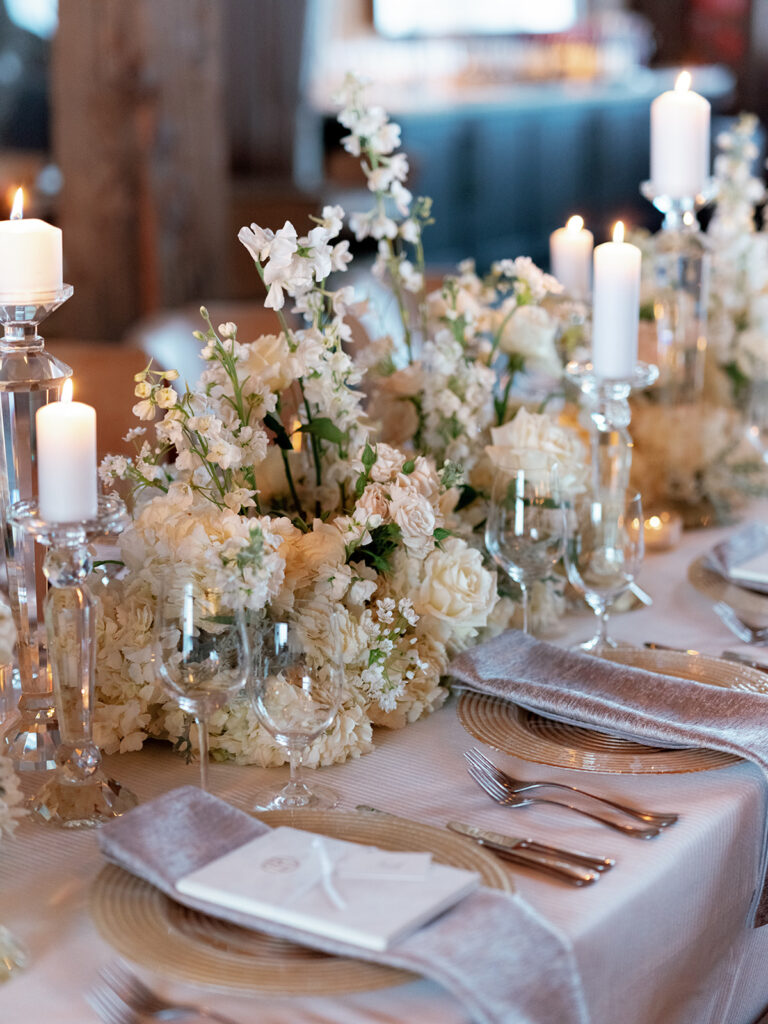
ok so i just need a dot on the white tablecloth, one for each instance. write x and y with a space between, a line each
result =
662 939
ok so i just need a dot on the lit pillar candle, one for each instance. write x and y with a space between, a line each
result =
66 460
570 257
30 255
679 141
615 307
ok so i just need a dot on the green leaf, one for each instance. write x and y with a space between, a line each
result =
281 435
409 466
440 534
369 458
467 496
325 429
360 483
378 552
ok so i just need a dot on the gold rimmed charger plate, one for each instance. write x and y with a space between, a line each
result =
532 737
147 927
714 586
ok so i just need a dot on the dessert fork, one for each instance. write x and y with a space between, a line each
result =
122 998
745 631
503 796
513 785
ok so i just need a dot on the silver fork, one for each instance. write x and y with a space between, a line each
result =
110 1007
476 756
121 987
503 796
743 630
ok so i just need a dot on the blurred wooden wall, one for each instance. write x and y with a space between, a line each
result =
139 133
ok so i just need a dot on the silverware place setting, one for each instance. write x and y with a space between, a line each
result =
747 632
120 997
504 790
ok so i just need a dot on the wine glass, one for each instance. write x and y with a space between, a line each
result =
201 654
525 528
604 553
296 691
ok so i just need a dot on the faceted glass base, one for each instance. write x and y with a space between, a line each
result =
33 738
13 956
81 805
296 796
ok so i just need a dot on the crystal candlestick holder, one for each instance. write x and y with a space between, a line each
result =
681 268
30 377
79 794
607 401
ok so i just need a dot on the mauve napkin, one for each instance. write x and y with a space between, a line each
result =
492 951
742 545
629 702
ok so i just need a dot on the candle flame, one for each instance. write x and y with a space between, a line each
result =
575 223
618 231
683 83
296 435
654 522
67 390
17 210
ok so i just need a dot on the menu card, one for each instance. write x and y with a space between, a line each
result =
357 894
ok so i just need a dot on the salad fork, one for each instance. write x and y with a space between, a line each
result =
516 786
122 998
503 796
745 631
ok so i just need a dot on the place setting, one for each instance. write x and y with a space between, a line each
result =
334 680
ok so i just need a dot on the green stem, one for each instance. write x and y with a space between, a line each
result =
291 485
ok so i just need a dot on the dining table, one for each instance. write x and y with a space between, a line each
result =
665 937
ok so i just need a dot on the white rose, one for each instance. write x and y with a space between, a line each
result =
530 332
271 362
537 434
415 516
373 501
456 587
389 462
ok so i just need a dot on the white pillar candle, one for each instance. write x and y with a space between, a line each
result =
679 141
570 257
615 307
66 461
30 255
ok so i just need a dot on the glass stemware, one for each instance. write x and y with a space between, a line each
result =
525 528
201 653
296 695
603 554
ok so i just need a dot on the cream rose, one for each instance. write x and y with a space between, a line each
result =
271 362
415 516
456 586
538 437
530 332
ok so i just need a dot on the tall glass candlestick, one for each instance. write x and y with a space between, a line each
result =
79 794
30 378
681 269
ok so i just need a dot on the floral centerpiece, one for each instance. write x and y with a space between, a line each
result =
283 488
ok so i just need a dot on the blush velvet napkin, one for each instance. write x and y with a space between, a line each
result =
622 700
492 951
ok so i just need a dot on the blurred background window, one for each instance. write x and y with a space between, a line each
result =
481 17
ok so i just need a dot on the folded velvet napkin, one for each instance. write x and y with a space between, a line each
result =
492 951
743 558
625 701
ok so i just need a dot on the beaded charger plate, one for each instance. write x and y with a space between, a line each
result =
713 585
532 737
145 926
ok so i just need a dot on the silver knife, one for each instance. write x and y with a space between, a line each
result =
516 843
566 870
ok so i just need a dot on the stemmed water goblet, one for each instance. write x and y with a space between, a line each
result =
603 554
295 690
201 653
525 528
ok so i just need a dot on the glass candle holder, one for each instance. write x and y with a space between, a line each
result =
79 794
30 377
